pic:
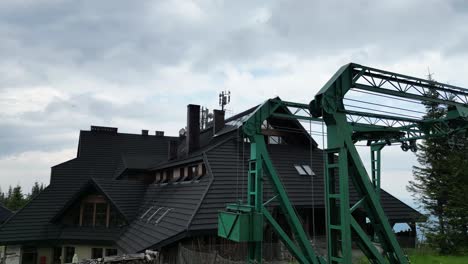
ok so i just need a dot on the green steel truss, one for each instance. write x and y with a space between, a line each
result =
343 165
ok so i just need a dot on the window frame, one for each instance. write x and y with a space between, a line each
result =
107 250
93 251
94 200
300 170
68 258
308 170
304 170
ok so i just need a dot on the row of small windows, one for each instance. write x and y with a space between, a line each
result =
99 252
181 174
69 252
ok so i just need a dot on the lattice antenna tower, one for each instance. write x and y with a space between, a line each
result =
224 99
205 118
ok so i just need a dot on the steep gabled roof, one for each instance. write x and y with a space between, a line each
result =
123 195
5 213
177 209
97 159
32 221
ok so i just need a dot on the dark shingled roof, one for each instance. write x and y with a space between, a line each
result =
97 159
5 213
177 203
161 214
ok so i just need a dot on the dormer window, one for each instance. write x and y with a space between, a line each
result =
158 177
192 172
185 173
275 140
93 210
182 173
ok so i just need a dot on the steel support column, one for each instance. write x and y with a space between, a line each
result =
376 151
255 198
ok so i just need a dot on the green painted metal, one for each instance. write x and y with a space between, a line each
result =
364 242
349 159
286 207
337 204
343 166
376 157
288 242
328 104
240 226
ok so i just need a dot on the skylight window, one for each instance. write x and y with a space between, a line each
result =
304 170
164 214
300 170
154 214
308 170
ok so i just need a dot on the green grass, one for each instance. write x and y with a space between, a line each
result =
430 257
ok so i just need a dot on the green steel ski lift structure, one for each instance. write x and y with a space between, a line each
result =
244 222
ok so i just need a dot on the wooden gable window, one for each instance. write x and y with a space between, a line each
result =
94 211
87 214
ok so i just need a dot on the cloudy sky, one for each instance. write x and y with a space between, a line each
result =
136 64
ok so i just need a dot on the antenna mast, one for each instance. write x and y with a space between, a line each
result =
224 99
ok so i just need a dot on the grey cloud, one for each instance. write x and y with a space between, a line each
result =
134 40
17 138
93 37
128 44
57 126
320 28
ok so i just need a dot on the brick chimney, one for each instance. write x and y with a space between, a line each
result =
193 128
218 120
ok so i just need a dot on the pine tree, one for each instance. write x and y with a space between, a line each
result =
16 200
8 195
2 197
439 184
36 189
